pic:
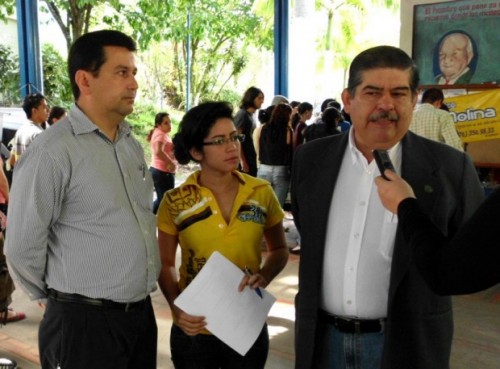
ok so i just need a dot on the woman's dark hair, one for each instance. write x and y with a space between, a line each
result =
381 57
325 103
248 99
158 119
55 113
279 121
195 127
87 53
331 118
303 107
334 104
265 114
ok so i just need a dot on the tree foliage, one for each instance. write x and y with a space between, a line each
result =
213 45
220 33
9 72
343 25
56 85
75 17
7 8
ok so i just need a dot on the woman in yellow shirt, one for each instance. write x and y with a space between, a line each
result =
216 209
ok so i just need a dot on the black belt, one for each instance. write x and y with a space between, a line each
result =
346 325
108 304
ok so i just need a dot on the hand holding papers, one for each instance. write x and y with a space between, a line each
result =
236 318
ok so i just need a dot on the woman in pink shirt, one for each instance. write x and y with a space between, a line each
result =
163 163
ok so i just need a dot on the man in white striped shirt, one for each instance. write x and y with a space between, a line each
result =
81 232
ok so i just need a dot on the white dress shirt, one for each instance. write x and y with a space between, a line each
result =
359 240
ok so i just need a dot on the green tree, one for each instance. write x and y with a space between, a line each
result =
75 17
7 8
220 33
344 23
9 72
56 85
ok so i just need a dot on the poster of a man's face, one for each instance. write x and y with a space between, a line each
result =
455 53
456 42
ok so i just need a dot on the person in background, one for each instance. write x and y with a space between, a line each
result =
304 114
465 264
275 151
295 113
360 298
163 163
7 315
252 101
216 209
56 114
279 99
263 117
342 125
37 111
328 125
81 236
434 123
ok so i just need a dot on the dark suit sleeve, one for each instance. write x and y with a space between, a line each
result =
468 262
295 175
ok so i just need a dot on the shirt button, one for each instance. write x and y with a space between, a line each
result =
221 226
215 211
349 302
362 203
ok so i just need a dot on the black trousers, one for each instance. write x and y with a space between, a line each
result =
163 181
77 336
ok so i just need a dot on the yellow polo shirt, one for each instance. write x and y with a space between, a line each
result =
191 212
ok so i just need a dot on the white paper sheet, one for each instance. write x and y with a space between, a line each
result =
236 318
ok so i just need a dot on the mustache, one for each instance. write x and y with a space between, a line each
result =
389 115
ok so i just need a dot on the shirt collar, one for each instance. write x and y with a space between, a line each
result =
81 124
394 152
245 180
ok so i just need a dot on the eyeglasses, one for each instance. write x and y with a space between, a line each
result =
219 141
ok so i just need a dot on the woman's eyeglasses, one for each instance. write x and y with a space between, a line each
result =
219 141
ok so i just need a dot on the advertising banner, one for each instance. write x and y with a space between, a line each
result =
476 115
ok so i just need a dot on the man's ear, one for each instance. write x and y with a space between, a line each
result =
346 100
470 56
83 82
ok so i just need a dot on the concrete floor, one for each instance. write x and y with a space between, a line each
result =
476 344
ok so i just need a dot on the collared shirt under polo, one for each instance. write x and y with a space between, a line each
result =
80 216
191 212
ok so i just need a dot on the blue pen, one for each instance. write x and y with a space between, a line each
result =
249 273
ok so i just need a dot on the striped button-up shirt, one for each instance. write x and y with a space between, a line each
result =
80 215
